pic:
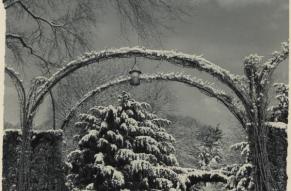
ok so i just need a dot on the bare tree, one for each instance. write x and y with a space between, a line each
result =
58 30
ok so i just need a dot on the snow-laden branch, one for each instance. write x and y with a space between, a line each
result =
197 176
189 177
173 57
203 86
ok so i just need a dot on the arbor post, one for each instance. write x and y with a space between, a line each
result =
259 158
257 130
23 183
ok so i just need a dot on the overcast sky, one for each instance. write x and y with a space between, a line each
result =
224 31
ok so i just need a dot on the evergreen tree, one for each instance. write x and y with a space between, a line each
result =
240 178
210 152
210 148
124 147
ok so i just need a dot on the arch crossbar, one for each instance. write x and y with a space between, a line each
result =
201 85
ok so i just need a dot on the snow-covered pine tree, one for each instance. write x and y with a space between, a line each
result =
210 148
123 148
210 152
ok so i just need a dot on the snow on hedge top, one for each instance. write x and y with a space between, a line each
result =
277 125
57 132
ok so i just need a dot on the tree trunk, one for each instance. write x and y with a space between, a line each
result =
258 138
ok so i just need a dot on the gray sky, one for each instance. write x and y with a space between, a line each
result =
224 31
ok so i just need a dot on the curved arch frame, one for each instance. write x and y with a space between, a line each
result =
176 77
185 60
20 92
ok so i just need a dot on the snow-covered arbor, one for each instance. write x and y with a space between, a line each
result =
249 89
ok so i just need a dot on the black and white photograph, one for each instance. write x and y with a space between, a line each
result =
145 95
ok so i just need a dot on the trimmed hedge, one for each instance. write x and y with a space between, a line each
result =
47 169
277 148
47 160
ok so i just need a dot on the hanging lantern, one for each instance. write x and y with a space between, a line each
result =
134 74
